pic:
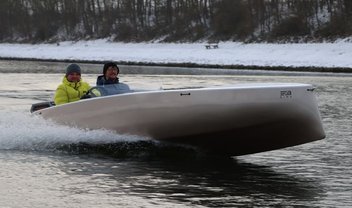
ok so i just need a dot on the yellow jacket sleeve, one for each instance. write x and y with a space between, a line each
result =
61 96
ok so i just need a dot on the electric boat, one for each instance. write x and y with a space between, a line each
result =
236 120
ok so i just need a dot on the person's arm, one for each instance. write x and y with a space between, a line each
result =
61 96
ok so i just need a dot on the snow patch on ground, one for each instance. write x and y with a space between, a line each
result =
337 54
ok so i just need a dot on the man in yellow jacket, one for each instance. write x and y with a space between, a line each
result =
72 87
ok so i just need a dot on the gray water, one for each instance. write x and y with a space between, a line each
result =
47 165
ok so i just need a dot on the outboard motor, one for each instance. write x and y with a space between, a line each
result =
41 105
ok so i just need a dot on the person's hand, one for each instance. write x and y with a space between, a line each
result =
86 96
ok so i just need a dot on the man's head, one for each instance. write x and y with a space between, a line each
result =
110 71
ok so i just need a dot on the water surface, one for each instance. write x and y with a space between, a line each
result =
47 165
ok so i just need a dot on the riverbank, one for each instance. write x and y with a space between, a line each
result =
313 57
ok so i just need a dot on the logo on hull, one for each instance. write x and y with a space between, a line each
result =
285 94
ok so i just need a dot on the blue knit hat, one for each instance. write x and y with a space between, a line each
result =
73 68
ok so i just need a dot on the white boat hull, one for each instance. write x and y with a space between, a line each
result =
234 120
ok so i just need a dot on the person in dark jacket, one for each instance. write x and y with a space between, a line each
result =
109 81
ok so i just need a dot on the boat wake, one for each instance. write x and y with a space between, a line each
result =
22 131
25 132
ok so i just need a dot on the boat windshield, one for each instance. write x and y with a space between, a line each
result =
106 90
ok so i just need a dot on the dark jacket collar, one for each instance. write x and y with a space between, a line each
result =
102 81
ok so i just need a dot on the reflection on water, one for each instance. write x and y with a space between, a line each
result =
165 181
47 165
208 183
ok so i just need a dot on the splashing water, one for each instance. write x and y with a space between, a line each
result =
22 131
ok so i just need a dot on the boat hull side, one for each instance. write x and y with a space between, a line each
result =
232 121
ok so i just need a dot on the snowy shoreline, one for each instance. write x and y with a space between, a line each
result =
332 57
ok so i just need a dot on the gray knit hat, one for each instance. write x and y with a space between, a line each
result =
73 68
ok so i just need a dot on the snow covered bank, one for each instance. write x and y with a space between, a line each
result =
287 55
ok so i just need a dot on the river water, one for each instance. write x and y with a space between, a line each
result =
47 165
